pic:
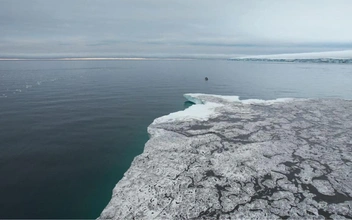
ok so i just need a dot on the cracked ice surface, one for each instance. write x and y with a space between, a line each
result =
225 158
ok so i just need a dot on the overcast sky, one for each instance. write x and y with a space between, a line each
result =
217 28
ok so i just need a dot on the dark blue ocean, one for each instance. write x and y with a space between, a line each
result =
70 129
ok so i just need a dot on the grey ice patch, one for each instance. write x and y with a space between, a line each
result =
250 159
324 187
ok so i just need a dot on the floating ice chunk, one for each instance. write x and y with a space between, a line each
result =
227 158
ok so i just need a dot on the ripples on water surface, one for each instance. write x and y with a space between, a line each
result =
70 129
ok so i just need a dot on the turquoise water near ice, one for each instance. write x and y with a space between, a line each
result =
70 129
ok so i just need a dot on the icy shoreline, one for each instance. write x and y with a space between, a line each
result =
227 158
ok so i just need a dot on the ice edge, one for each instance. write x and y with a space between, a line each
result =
207 105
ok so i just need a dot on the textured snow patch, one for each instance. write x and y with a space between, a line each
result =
324 187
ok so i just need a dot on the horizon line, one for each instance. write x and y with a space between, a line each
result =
109 58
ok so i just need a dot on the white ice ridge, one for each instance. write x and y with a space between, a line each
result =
344 56
207 105
228 158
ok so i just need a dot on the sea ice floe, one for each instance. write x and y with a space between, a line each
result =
230 158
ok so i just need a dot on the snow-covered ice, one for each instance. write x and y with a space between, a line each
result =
228 158
317 57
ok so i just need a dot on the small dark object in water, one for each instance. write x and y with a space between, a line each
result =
206 78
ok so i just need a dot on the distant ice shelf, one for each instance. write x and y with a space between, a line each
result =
317 57
323 60
228 158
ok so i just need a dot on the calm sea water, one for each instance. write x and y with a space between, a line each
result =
70 129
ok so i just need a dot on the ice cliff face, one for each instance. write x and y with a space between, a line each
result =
252 159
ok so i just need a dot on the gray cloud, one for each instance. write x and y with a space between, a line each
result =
172 28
